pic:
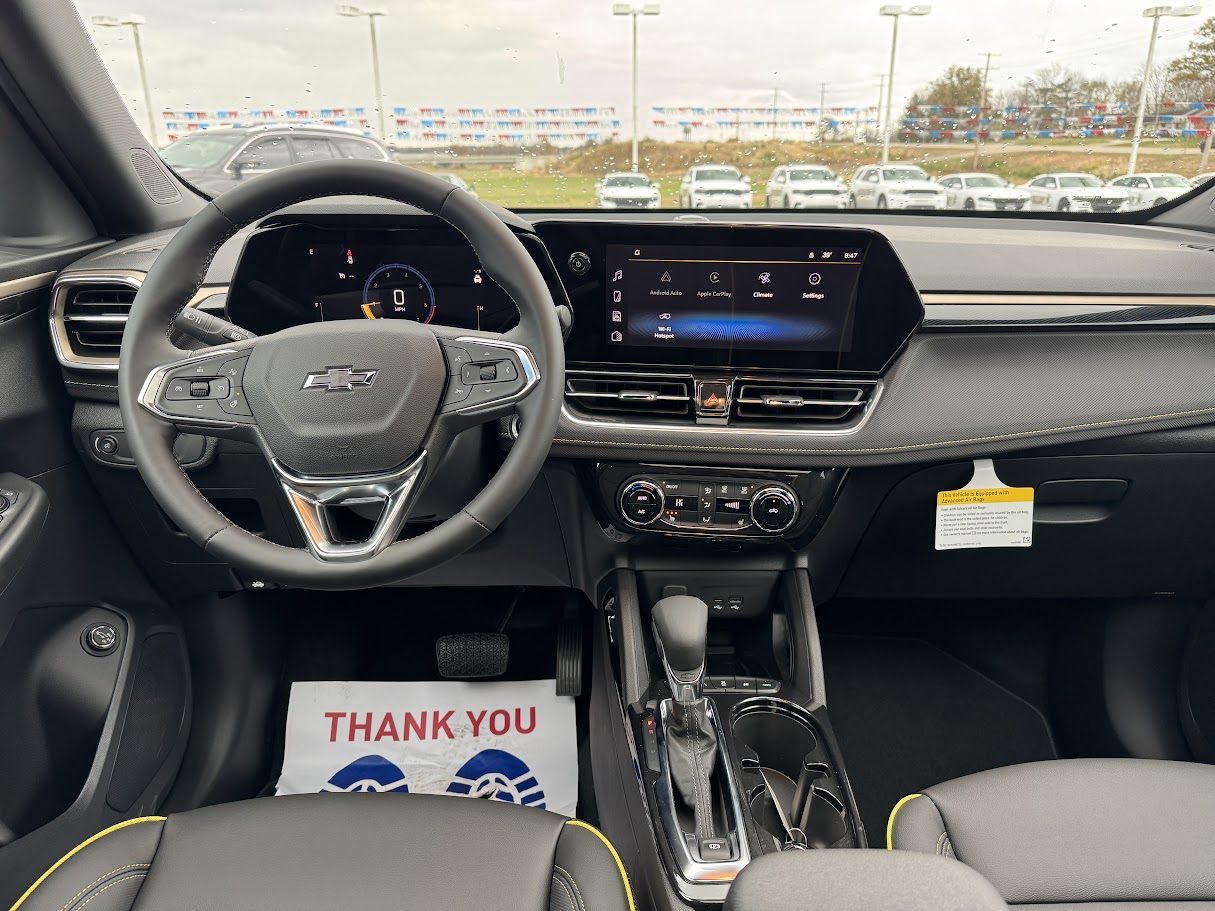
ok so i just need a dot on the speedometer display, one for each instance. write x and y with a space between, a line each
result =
398 291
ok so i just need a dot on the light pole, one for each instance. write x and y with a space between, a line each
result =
134 22
894 12
982 105
1154 13
354 12
628 9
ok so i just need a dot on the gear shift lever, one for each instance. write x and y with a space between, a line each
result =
680 629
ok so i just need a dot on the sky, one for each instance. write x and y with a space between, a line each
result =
208 54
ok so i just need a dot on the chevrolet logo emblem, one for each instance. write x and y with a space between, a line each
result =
343 379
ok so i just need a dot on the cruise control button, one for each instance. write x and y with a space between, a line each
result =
196 409
234 370
487 353
487 393
177 390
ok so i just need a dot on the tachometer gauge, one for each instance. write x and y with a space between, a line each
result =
398 291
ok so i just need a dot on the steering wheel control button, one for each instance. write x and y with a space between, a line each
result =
774 509
642 502
457 359
235 404
99 639
234 370
457 392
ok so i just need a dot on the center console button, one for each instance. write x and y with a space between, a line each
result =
714 849
774 509
641 502
719 684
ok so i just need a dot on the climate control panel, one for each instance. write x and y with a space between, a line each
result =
712 504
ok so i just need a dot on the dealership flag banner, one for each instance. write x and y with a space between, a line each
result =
509 741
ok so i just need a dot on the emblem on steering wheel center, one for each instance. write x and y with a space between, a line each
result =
339 379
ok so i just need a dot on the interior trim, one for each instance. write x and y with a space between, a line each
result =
67 281
1091 300
17 286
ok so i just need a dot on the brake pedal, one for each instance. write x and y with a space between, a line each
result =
466 656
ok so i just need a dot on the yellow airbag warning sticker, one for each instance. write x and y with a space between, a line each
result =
985 513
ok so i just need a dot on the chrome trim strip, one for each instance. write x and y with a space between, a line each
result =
1052 299
59 334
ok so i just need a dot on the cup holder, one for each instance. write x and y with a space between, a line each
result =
789 783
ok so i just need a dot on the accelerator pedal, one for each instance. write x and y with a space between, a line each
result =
569 656
468 656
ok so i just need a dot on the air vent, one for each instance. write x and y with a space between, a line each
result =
94 316
821 401
629 394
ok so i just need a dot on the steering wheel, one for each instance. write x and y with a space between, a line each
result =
352 412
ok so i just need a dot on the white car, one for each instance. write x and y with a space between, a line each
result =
627 190
894 186
982 192
1147 190
1201 179
802 186
1075 193
715 186
459 182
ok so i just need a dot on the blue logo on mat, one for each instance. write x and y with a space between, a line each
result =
498 775
369 773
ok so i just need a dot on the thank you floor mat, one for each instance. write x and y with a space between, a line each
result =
509 741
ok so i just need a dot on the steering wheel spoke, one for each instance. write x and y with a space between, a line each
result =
488 375
203 392
313 499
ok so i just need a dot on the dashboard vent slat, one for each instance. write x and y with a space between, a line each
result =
94 316
801 400
629 394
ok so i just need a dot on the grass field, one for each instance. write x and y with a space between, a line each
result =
569 181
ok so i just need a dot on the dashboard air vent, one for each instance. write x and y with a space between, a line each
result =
800 400
629 394
94 316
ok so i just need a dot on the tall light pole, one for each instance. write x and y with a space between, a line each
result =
894 12
877 114
354 12
134 22
822 107
982 105
628 9
1154 13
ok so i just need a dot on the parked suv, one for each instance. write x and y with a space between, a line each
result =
716 186
895 186
1147 190
1075 193
801 186
627 190
214 161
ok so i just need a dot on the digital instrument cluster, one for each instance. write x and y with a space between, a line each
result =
305 273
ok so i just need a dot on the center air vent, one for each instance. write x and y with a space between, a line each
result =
94 316
800 400
629 394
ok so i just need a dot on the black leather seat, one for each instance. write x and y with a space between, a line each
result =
1103 834
341 852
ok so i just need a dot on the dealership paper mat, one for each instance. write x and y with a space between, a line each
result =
509 741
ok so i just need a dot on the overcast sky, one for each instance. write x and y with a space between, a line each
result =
210 54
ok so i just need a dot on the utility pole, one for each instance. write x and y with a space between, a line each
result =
628 9
895 12
1154 13
355 12
822 107
877 114
775 90
982 104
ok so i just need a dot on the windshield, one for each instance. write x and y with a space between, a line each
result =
536 102
1073 181
199 151
627 180
903 174
810 174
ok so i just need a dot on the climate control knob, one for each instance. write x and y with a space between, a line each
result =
774 509
641 502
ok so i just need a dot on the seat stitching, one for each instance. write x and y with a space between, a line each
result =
101 879
949 848
568 894
940 843
574 883
111 885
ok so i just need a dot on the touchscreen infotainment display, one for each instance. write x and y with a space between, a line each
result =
726 298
